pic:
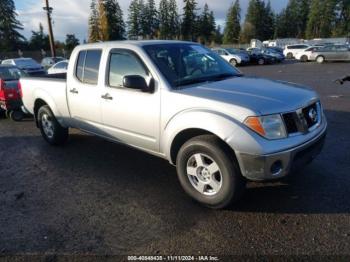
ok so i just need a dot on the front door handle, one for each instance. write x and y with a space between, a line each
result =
74 91
107 97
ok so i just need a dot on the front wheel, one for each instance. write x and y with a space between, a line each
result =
320 59
233 62
208 172
261 61
50 129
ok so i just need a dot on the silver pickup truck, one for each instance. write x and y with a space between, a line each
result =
182 102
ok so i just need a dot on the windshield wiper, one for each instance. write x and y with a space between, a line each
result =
218 77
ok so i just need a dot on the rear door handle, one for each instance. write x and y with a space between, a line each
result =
107 97
74 91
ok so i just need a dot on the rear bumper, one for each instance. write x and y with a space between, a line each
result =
280 164
11 105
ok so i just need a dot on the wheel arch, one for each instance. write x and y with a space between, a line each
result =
187 125
37 105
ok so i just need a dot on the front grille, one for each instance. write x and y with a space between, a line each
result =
302 120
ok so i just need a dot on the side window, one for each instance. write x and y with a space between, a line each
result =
92 66
80 65
123 63
62 65
88 66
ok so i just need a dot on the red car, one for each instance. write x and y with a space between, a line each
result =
10 92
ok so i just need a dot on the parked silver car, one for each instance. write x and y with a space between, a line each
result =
331 53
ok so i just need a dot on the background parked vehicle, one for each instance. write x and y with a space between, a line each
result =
10 92
28 65
331 53
276 49
233 56
257 57
58 68
291 50
305 55
47 62
271 52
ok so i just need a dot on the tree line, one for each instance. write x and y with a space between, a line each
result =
145 20
299 19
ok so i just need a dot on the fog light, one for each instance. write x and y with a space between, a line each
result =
276 168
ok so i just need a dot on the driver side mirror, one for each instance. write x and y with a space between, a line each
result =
139 83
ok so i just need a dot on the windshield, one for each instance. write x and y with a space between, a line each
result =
186 64
26 63
9 73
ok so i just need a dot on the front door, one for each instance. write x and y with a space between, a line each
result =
130 115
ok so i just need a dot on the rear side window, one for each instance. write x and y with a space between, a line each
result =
88 66
80 65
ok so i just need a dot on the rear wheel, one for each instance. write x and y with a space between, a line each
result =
16 115
289 55
303 58
208 172
320 59
50 129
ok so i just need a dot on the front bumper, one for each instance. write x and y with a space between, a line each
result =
280 164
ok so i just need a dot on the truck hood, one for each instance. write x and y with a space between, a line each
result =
257 94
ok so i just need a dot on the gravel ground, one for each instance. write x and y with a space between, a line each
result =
96 197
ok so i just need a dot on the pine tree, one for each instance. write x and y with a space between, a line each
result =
114 15
94 34
71 41
206 25
39 40
10 38
103 22
164 20
218 36
151 20
135 19
233 26
342 24
259 21
268 17
322 18
174 22
292 20
189 23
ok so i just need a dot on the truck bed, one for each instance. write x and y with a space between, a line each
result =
49 88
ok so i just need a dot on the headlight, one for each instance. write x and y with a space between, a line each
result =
270 127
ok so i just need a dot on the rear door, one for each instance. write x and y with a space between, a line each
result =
84 91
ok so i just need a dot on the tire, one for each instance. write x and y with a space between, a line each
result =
50 129
16 115
217 188
233 62
303 58
261 61
290 55
320 59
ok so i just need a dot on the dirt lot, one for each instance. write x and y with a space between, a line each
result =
96 197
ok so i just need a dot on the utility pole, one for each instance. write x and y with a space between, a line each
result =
48 10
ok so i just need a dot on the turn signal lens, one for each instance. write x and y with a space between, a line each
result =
270 126
254 123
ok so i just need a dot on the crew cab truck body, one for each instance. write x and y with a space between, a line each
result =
182 102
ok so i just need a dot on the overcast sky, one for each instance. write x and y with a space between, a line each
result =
71 16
